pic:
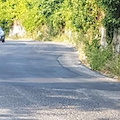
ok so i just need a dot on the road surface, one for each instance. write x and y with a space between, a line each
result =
46 81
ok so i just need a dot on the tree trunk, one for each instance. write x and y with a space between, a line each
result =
103 41
116 41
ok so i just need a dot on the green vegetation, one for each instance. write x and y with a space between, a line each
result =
111 20
75 21
97 57
113 66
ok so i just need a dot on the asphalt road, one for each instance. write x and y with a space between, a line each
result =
46 81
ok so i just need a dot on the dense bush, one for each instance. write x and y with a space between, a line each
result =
111 20
113 66
97 57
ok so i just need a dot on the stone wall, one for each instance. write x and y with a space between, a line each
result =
16 30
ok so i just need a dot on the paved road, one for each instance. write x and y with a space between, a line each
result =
45 81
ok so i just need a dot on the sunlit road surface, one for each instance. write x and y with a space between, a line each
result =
46 81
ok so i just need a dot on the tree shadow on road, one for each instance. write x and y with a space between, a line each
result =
39 97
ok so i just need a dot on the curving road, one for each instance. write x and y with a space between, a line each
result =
45 81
